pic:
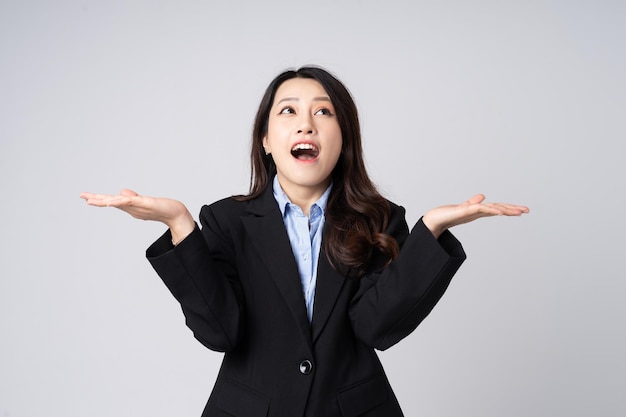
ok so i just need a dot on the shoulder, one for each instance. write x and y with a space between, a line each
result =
222 218
395 211
224 210
394 207
232 209
227 204
397 226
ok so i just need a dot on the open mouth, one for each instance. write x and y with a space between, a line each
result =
305 151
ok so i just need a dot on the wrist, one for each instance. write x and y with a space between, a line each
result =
435 229
180 227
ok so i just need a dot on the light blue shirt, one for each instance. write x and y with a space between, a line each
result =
305 236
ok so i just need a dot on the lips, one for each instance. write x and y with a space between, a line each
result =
305 151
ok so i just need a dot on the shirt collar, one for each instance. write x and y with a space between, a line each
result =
283 201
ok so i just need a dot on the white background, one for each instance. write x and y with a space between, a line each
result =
524 101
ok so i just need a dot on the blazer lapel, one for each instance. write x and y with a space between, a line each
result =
328 287
267 232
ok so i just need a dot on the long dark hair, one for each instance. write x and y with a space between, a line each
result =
356 215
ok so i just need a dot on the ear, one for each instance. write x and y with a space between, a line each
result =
266 145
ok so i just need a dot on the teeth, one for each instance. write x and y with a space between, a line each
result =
301 146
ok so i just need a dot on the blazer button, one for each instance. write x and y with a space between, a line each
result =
306 367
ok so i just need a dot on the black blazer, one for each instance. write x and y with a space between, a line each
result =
238 284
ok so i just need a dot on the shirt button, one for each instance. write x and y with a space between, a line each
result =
306 367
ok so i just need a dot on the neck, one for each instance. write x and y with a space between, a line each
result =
303 196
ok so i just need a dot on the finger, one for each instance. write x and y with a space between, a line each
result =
117 201
96 196
506 209
128 193
477 199
91 199
106 200
488 210
87 196
523 209
512 206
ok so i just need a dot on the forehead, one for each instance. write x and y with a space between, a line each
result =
300 88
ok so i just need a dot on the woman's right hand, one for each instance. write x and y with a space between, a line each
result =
171 212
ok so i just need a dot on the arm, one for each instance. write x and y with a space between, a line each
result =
443 218
200 274
170 212
392 302
190 265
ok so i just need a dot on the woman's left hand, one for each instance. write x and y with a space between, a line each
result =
442 218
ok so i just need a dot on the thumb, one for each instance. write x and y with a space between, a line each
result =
128 193
477 199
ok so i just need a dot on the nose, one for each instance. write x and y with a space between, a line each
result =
305 125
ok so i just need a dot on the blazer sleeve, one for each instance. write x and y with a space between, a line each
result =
200 272
393 301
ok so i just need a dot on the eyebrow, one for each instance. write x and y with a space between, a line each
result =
320 98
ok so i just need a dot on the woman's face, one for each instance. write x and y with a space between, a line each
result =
303 136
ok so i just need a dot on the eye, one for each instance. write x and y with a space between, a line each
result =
324 112
287 110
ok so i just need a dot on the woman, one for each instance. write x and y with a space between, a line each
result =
300 281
